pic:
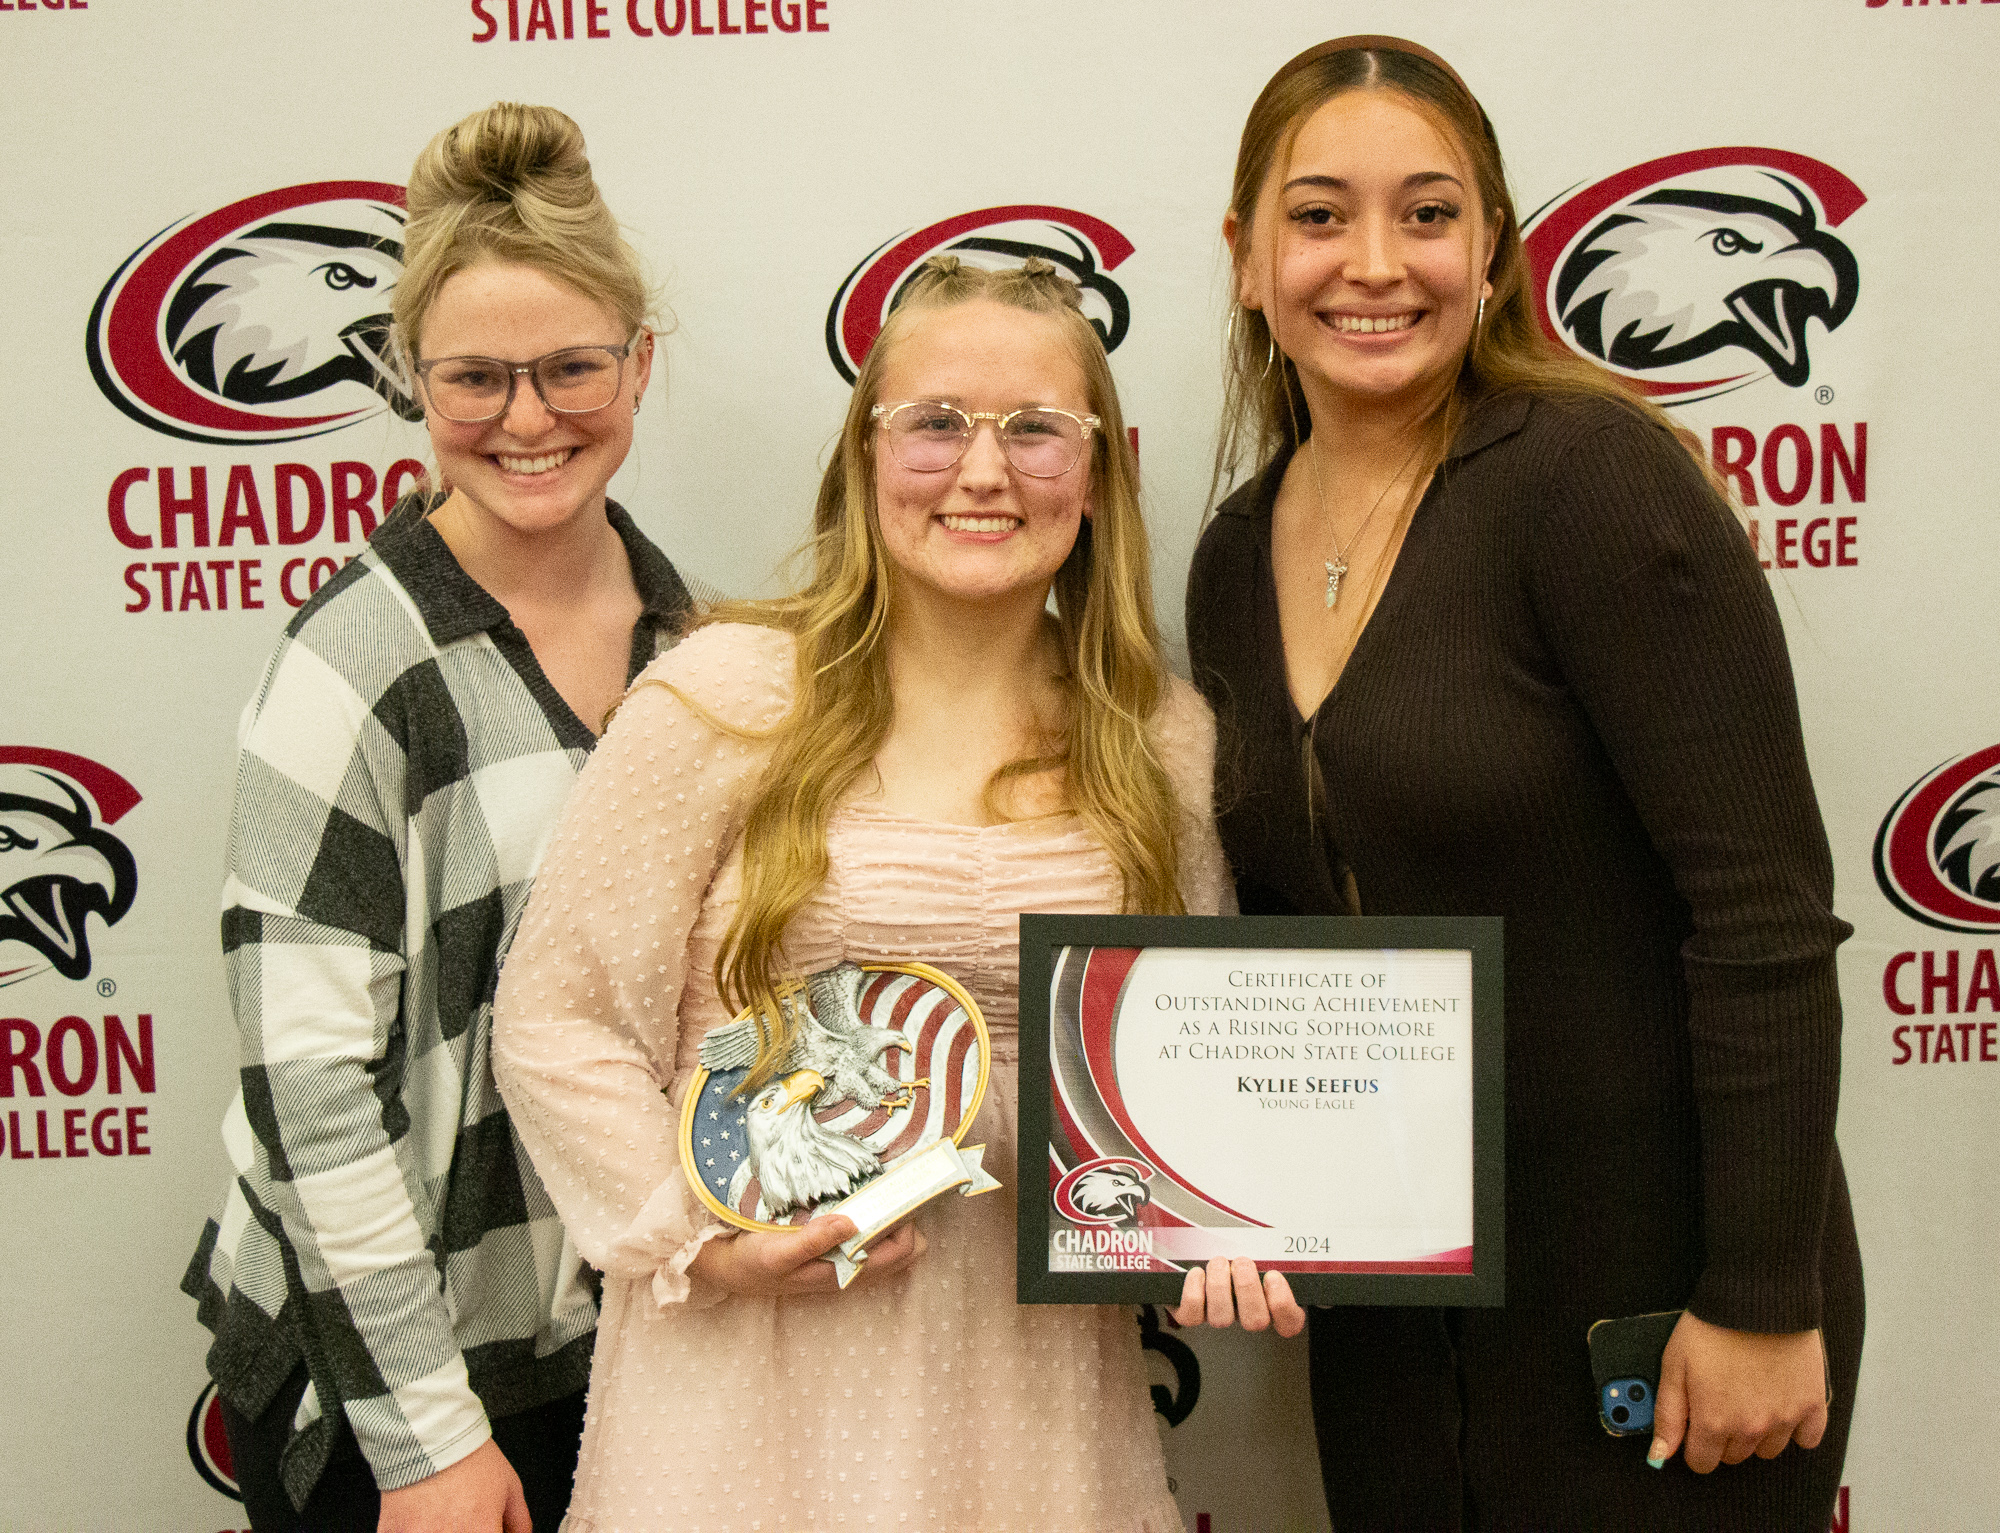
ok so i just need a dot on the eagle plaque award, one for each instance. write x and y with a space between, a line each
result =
884 1075
1322 1095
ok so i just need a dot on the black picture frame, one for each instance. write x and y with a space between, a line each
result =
1043 937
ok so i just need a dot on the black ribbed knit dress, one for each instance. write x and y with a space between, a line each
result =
1572 708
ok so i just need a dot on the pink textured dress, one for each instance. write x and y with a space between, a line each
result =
929 1401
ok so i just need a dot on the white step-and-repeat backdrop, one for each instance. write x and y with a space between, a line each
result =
200 234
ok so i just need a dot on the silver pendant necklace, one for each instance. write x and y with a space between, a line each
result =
1336 567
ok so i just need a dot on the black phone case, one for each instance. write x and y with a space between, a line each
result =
1628 1348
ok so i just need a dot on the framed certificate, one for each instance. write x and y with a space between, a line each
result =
1321 1094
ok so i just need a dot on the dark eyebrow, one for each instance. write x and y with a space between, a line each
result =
1410 183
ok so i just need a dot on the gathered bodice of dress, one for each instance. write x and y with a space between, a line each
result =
901 888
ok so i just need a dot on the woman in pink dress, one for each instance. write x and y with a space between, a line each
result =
889 766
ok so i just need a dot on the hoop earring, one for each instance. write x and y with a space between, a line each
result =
1479 319
1229 343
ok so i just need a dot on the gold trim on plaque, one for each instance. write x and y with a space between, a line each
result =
692 1102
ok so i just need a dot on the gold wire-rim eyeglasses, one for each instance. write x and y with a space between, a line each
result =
884 414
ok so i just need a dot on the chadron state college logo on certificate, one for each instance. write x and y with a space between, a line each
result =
1182 1099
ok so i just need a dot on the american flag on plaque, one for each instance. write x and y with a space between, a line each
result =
885 1061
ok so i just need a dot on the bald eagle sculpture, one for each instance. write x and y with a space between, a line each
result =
830 1040
797 1160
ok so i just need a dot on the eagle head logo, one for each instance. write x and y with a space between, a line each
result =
1937 854
58 865
266 321
1676 271
1086 247
1104 1192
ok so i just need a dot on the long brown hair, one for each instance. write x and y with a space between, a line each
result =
1113 778
1264 405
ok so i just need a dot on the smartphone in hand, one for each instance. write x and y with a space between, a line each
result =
1625 1367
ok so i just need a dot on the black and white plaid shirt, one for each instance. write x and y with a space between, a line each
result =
401 771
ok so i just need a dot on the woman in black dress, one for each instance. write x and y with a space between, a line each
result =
1482 639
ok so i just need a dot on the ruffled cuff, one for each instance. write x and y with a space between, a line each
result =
660 1244
672 1285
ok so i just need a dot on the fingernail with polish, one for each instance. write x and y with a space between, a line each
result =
1656 1457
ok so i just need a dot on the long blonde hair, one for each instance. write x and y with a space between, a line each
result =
1113 778
1264 405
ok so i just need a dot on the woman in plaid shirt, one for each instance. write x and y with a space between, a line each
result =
402 1329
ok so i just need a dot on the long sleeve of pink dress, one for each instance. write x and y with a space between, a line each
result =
930 1401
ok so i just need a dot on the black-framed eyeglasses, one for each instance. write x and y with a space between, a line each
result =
928 436
573 381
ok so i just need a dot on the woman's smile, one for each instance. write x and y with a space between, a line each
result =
1367 255
998 525
1362 324
530 471
541 463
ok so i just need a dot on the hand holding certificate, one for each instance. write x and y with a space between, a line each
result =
1318 1096
1216 1295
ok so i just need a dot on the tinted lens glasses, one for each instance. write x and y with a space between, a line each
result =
928 436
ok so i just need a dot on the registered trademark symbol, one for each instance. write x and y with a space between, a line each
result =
107 987
1824 394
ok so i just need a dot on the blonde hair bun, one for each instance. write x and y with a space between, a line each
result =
512 182
496 153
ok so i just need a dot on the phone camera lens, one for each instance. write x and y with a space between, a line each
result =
1620 1414
1636 1393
